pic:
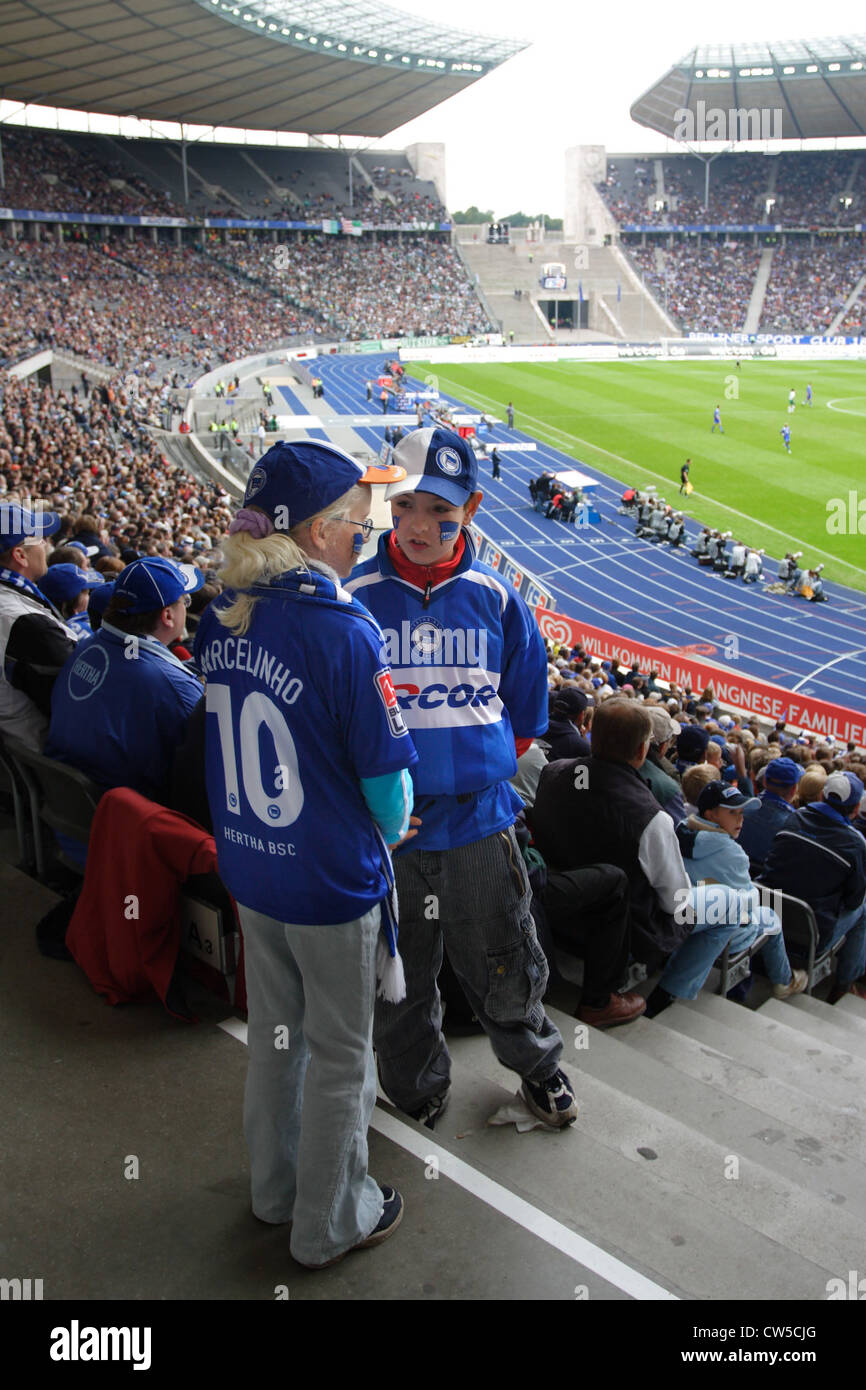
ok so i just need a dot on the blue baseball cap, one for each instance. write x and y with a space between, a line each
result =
293 482
89 550
18 525
436 461
153 583
100 597
783 772
63 582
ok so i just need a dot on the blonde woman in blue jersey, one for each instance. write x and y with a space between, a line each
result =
470 673
307 760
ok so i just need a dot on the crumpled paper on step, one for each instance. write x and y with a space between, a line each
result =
517 1112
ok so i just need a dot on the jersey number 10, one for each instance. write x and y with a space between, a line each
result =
281 807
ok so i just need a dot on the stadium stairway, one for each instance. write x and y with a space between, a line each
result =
759 290
719 1153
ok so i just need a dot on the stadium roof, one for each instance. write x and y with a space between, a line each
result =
348 67
817 87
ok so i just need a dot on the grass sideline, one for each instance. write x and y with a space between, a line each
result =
639 420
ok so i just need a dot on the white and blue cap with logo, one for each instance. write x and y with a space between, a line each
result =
153 583
436 461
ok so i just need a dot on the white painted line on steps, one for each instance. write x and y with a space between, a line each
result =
523 1213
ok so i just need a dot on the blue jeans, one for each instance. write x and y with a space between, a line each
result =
475 900
851 960
311 1081
687 970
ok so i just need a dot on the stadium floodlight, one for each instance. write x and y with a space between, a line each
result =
812 67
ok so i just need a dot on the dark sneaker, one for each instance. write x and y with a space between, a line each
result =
432 1109
392 1215
551 1100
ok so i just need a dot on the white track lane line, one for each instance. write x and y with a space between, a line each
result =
507 1203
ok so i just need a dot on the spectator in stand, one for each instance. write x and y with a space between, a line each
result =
659 774
34 640
68 588
714 859
570 712
819 857
694 780
120 704
780 778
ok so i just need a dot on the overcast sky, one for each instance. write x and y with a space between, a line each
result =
506 136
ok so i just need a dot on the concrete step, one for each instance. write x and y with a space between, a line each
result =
779 1050
592 1178
851 1006
797 1155
819 1020
840 1126
674 1157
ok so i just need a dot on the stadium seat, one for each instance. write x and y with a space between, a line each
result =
734 968
13 787
61 798
801 938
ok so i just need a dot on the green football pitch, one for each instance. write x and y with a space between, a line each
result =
639 421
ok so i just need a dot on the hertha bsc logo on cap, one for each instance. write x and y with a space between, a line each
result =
448 460
255 483
388 695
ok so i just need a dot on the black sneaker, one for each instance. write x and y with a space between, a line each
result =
432 1109
551 1100
392 1215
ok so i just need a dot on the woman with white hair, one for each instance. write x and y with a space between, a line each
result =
307 759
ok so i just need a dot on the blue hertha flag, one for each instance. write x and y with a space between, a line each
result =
618 292
579 292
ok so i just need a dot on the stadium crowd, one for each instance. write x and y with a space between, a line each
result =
808 287
367 291
706 287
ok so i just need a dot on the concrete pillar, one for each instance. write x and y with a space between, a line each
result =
427 161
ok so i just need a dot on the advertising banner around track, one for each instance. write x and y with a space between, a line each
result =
733 690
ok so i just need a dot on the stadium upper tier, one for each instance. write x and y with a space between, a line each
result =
347 67
797 90
69 172
818 189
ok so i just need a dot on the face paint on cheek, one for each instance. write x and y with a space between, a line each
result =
396 521
358 542
448 531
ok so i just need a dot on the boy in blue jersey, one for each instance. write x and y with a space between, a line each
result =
785 432
307 759
717 421
470 672
808 394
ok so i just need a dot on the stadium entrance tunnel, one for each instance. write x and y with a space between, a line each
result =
565 313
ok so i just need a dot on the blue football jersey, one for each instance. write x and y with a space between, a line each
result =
470 674
299 709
